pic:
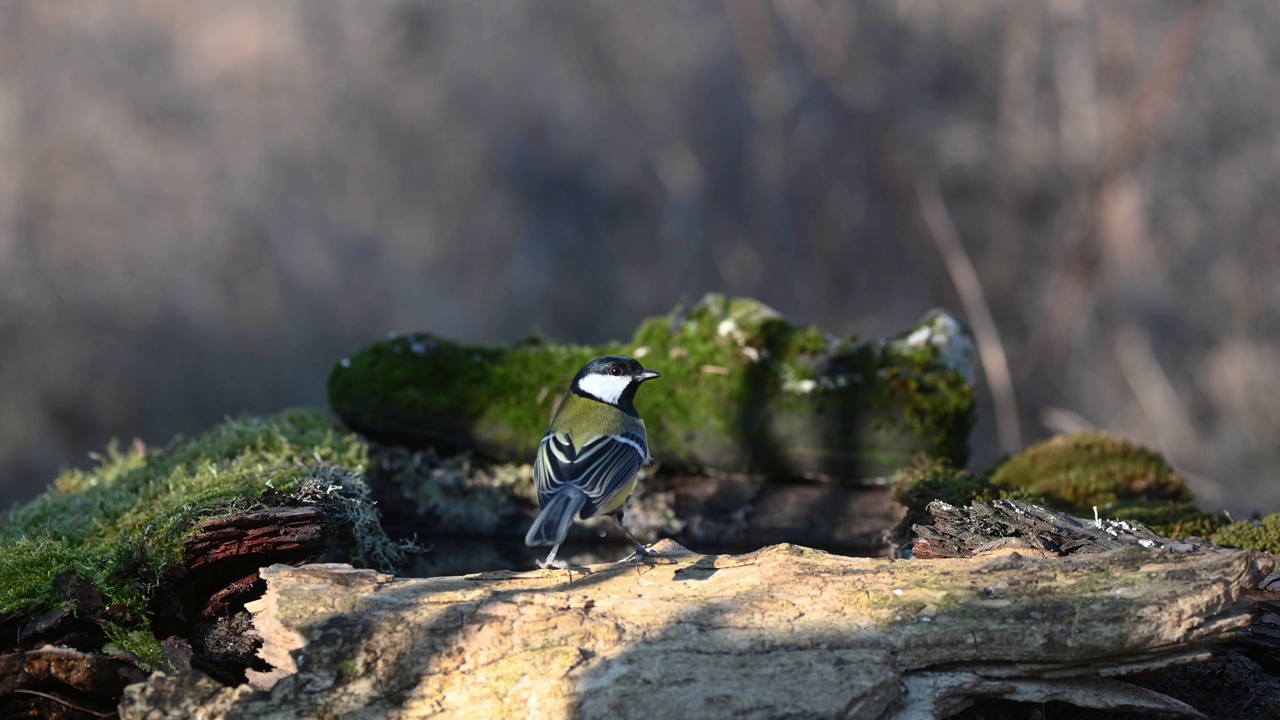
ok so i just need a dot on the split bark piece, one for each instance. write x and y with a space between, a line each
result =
271 530
961 532
782 632
223 558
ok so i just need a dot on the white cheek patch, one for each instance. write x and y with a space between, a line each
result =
606 388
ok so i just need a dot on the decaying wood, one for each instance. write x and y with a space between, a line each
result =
53 682
43 673
781 632
961 532
222 559
52 662
276 529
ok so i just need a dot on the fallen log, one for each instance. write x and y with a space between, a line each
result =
781 632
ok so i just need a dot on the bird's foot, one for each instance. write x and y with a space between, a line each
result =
563 565
642 555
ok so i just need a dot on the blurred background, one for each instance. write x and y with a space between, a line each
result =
204 204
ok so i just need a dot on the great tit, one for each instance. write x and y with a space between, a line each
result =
588 460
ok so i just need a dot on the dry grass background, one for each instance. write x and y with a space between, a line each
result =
204 204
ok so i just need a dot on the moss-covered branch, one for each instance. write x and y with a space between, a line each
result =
743 390
123 528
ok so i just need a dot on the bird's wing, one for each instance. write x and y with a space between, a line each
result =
601 468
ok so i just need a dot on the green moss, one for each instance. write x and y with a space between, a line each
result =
928 479
29 565
348 496
425 386
743 390
1077 472
122 525
1262 535
140 643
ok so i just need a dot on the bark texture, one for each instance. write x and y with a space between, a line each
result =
58 682
963 531
781 632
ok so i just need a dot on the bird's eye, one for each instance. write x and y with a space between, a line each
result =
615 370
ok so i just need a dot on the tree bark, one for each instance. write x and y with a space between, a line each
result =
781 632
958 532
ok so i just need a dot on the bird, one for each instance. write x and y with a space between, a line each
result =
587 462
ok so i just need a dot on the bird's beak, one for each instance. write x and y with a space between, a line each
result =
649 375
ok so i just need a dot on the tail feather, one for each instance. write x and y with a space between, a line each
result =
553 522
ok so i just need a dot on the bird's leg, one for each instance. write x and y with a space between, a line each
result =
551 560
641 551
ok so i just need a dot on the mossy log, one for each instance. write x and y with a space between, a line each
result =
743 390
54 665
781 632
147 560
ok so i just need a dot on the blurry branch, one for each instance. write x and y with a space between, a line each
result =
1163 410
1208 490
1068 288
995 364
918 196
1154 391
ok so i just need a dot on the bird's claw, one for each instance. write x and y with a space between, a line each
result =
564 565
642 554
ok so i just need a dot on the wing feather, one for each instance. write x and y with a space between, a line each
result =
601 468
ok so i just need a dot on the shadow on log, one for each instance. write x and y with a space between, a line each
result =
781 632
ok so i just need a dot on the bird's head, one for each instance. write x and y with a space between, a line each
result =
612 379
